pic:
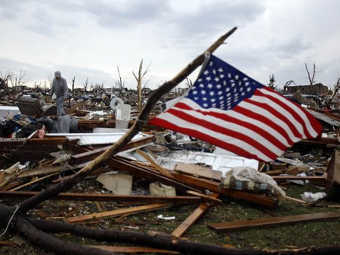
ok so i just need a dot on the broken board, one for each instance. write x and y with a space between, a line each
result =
198 171
245 224
192 218
118 212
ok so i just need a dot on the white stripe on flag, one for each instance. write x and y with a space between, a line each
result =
256 137
282 111
258 110
224 138
234 114
298 111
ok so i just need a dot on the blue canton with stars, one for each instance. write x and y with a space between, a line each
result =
221 86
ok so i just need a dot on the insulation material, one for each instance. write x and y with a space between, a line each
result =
119 184
246 178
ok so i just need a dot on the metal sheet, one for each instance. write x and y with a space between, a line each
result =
218 161
96 138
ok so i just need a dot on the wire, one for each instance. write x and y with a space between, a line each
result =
10 220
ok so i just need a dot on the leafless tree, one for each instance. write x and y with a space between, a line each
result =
311 77
73 81
17 78
335 91
139 78
119 83
86 84
271 83
4 78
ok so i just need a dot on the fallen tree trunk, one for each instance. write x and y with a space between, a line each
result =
51 243
146 239
167 242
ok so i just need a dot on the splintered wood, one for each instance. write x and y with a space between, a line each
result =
163 171
192 218
198 171
118 212
244 224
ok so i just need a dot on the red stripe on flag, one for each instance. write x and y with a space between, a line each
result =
264 120
276 114
296 116
195 133
272 139
314 123
221 130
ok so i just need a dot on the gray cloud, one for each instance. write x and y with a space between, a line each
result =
274 36
290 48
212 18
130 13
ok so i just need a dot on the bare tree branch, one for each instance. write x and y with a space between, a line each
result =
310 77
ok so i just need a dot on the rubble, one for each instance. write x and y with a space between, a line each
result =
154 170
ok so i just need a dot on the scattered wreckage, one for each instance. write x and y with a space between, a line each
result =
51 155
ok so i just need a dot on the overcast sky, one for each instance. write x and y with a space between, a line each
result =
89 38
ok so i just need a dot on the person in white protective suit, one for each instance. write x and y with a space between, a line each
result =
59 88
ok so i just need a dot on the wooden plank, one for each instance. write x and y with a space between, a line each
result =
236 194
163 171
132 167
8 243
321 140
32 182
190 183
198 171
118 212
244 224
43 170
104 197
208 198
303 178
129 249
192 218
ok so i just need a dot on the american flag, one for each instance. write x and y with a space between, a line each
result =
227 108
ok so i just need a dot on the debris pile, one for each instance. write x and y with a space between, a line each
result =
94 170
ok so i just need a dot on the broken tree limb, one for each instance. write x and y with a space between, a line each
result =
166 241
51 243
149 239
137 126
